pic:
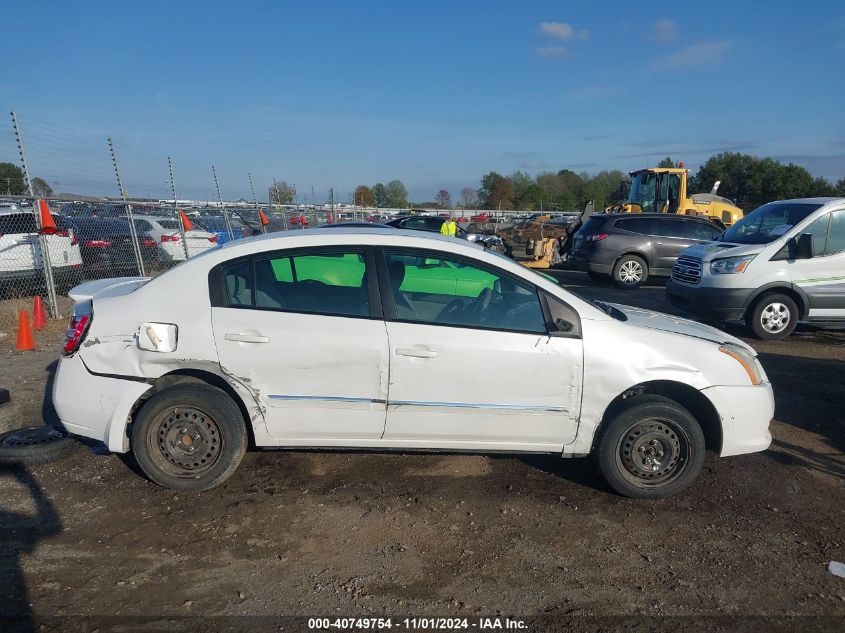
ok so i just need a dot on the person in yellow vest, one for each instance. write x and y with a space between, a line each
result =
449 227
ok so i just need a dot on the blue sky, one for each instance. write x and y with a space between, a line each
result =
335 94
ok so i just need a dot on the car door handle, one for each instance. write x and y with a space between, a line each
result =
659 243
415 352
247 338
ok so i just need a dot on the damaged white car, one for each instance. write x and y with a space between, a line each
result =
365 338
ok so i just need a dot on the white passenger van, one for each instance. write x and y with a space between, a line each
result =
782 263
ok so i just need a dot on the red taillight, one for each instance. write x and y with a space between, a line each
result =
80 321
148 241
97 243
596 237
213 239
170 238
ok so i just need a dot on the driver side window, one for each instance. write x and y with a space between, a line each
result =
436 289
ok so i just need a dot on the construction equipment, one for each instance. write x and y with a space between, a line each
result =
664 190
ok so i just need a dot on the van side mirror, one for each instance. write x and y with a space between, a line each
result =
804 246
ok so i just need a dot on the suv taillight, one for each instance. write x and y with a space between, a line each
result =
595 237
213 239
80 322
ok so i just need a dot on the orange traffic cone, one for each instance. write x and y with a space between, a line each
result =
39 318
264 219
25 341
48 224
186 223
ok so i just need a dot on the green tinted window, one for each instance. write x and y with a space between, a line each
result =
449 292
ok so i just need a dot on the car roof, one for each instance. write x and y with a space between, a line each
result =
699 218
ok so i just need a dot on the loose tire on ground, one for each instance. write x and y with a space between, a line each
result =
630 271
773 316
189 437
652 448
35 445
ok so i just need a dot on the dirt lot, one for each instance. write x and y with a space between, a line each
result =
300 533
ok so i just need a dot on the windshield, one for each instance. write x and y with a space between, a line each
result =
767 223
643 190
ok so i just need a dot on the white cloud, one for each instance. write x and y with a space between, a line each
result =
563 31
701 54
551 51
664 30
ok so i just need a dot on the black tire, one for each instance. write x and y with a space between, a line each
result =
630 271
35 445
773 316
189 437
640 434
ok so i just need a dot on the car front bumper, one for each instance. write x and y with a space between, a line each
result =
745 413
723 304
94 406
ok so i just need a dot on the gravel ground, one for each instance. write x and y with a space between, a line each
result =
306 533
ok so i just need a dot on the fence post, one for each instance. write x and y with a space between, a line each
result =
49 282
176 207
222 208
133 232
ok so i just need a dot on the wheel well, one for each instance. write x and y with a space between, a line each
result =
688 397
635 254
194 376
784 290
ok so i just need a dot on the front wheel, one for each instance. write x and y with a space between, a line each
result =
773 317
652 448
189 437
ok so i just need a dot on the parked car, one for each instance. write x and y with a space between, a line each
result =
21 258
631 247
106 246
166 232
217 225
782 263
289 339
431 223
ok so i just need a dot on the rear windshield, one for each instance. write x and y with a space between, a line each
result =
767 223
18 223
591 226
169 224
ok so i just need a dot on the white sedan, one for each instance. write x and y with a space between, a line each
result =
366 338
166 232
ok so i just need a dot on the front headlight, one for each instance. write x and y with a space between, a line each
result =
746 359
730 265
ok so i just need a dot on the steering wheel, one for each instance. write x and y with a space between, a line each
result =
483 302
454 306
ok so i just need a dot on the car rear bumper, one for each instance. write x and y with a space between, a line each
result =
93 406
745 413
588 266
724 304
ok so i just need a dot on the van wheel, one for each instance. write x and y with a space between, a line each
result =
630 271
652 448
773 317
189 437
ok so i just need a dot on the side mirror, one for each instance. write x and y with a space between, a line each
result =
804 246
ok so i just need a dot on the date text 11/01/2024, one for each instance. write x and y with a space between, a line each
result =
418 624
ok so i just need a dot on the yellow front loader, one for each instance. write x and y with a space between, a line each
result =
664 190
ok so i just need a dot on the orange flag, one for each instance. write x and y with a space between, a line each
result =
264 219
48 225
186 222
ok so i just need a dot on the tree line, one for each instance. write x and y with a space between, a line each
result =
12 182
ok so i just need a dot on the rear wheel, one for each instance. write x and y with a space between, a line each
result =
774 316
652 448
189 437
630 271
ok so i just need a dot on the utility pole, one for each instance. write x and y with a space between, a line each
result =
133 231
220 200
176 207
52 300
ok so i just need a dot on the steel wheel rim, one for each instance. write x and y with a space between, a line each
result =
653 452
775 317
631 272
185 442
38 436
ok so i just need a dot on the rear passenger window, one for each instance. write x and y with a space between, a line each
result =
238 281
836 237
670 228
635 225
324 283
